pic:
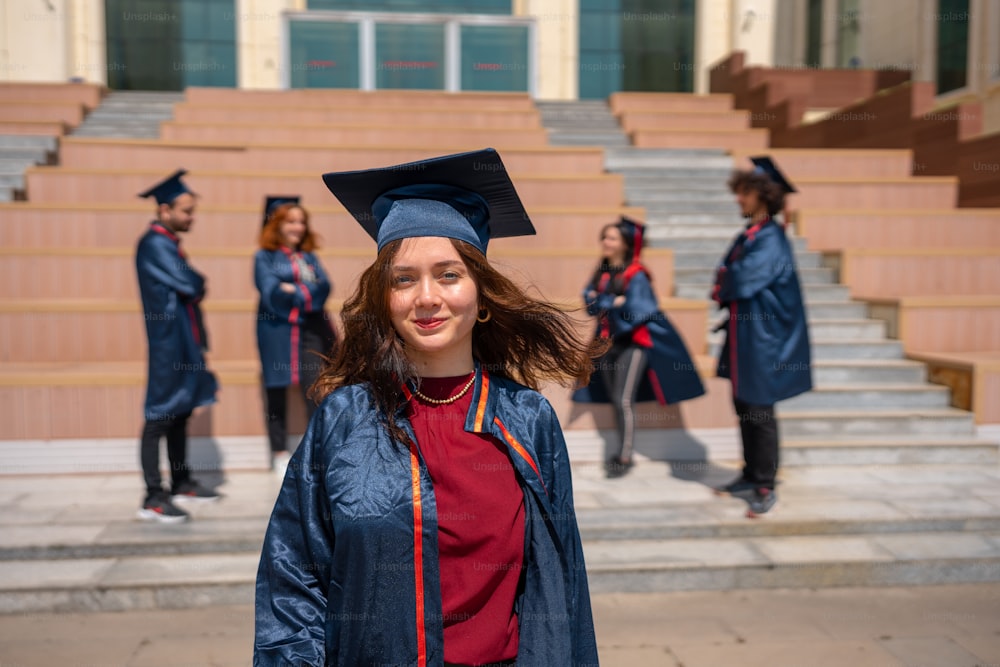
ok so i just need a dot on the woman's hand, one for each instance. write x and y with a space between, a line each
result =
288 288
619 301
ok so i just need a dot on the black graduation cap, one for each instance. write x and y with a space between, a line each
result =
765 164
168 189
271 202
466 196
635 230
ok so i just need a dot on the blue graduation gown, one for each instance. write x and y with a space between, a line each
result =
766 353
349 570
178 379
671 376
280 315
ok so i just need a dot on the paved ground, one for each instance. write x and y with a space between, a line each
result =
932 626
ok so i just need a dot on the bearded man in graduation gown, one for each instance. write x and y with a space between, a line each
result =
178 377
766 354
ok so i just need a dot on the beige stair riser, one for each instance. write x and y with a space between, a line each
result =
307 156
231 277
246 189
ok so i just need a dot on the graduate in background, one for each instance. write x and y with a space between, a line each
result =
178 378
647 360
766 353
293 329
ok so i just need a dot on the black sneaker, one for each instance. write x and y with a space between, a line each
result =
193 491
159 508
738 485
616 468
762 501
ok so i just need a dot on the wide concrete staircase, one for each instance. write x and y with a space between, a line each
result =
882 482
581 123
17 153
33 117
130 115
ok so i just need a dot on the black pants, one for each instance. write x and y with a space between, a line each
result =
315 338
175 430
621 369
759 430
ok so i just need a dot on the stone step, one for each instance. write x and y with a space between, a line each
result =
657 208
681 239
15 166
858 523
12 181
659 195
684 259
840 350
881 371
836 310
144 95
613 566
708 233
577 126
707 219
587 139
24 154
700 270
829 424
682 176
28 141
847 330
661 158
791 562
123 106
890 451
810 292
115 132
871 397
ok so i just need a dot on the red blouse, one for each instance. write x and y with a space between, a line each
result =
480 513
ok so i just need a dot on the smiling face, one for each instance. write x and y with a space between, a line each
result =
293 228
613 246
433 305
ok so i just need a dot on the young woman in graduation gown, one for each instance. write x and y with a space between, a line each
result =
648 359
293 329
427 517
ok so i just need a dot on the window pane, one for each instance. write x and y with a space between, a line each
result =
409 56
441 6
495 58
636 45
953 44
324 54
170 44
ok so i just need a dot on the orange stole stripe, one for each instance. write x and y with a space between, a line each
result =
519 448
418 553
481 408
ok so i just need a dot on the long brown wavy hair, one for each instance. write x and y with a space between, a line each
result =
526 339
270 235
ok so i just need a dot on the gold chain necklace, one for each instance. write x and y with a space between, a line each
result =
452 399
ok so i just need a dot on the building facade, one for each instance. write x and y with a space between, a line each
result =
552 49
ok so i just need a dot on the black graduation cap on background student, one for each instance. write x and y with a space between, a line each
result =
635 230
765 164
271 202
466 196
168 189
